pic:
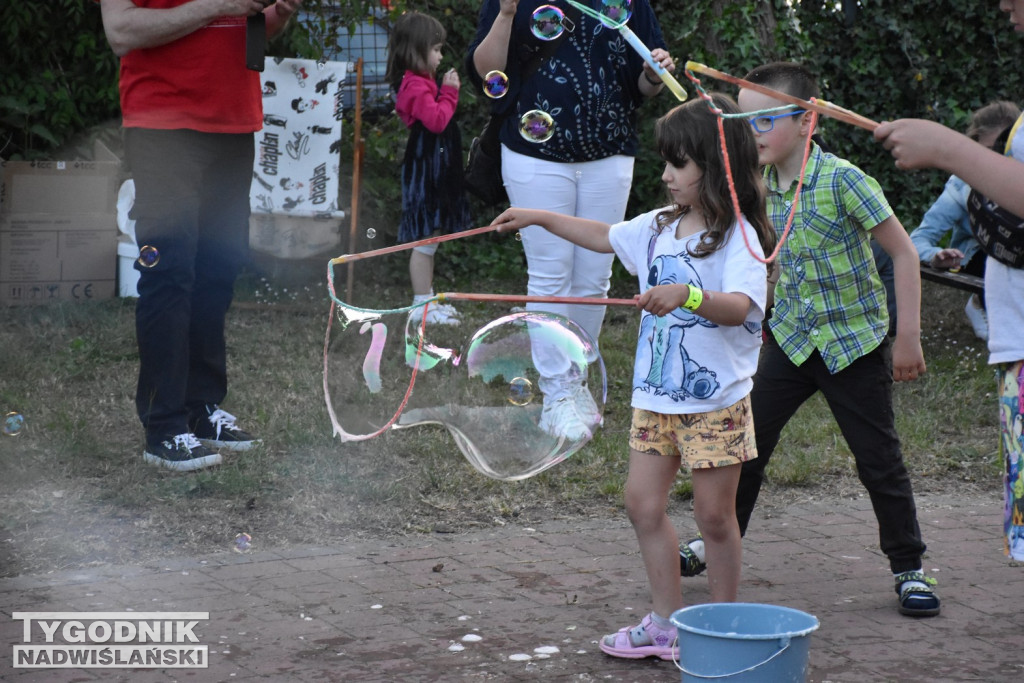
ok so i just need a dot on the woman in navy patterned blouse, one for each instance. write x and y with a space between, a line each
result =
591 86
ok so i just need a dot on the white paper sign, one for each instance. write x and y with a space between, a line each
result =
296 166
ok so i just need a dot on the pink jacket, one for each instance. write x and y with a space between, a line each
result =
418 100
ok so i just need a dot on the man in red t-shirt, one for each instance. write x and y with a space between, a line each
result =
190 108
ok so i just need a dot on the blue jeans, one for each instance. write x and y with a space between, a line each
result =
860 397
192 205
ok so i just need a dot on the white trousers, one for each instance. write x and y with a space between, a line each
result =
598 190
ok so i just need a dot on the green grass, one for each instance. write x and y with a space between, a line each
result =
75 491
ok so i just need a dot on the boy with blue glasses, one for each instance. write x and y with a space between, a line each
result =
766 124
828 330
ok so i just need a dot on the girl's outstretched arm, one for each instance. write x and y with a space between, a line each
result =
582 232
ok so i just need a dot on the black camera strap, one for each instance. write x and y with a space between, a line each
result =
255 41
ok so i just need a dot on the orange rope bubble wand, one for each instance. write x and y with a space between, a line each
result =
814 104
345 258
459 296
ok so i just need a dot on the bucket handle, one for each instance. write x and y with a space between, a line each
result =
784 642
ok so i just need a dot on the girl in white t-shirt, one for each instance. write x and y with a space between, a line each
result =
703 290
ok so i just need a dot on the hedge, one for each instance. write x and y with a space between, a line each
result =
885 59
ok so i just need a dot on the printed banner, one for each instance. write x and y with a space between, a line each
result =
297 152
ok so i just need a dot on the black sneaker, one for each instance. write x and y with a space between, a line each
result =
689 563
181 453
217 429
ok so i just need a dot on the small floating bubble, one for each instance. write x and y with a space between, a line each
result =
495 84
546 22
14 423
243 543
616 11
149 256
520 390
536 126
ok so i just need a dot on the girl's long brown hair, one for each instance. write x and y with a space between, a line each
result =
690 131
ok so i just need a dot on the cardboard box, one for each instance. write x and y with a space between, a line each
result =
58 229
14 293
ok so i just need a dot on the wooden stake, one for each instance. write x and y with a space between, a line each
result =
357 168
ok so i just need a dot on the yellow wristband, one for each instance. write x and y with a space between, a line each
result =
695 299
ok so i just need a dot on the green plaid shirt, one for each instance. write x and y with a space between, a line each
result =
829 295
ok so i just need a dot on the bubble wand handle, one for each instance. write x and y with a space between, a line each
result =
667 78
410 245
534 299
814 104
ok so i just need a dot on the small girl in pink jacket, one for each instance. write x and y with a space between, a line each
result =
433 198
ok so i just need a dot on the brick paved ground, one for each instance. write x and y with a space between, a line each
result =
517 604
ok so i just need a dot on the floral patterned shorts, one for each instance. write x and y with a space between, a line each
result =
716 439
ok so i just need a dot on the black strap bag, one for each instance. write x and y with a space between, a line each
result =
999 232
483 165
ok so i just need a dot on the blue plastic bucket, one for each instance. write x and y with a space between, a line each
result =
743 642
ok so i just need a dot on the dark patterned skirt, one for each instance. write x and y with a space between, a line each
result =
433 196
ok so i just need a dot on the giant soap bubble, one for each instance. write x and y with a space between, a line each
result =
382 371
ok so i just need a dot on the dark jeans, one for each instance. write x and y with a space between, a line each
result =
192 205
860 397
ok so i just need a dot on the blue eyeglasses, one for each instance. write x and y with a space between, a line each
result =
764 123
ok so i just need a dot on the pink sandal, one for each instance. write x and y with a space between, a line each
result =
645 640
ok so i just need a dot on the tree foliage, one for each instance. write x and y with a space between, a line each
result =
885 59
58 76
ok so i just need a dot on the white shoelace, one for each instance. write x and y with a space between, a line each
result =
222 420
188 440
